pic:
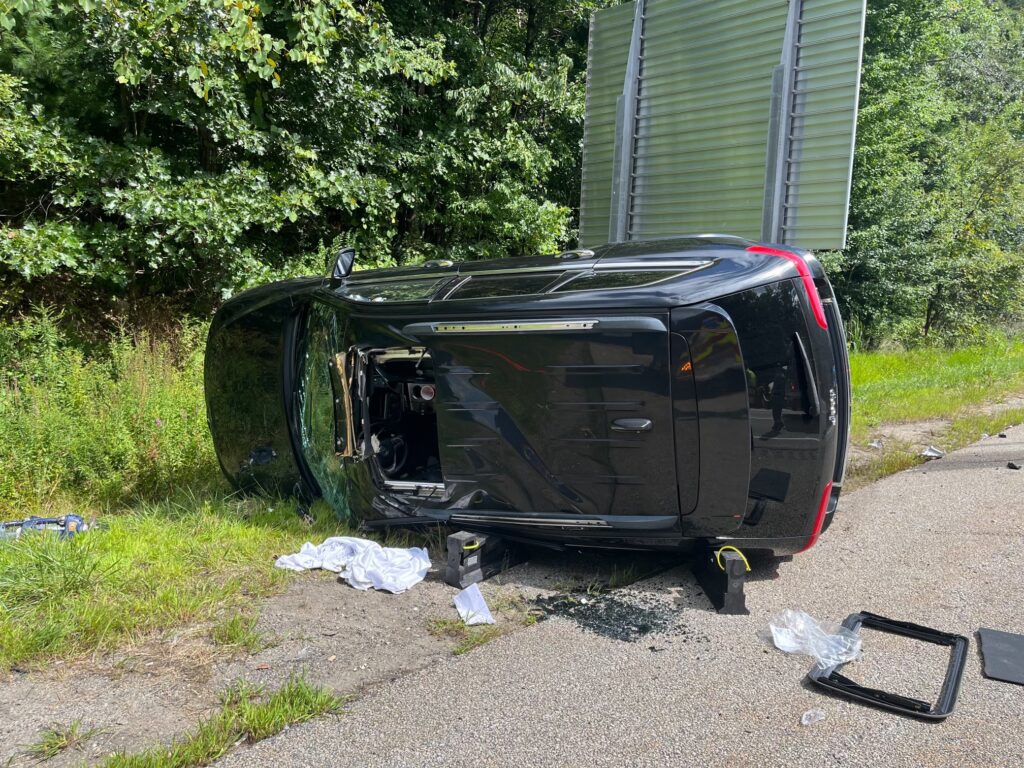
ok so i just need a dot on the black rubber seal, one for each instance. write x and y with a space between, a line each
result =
835 682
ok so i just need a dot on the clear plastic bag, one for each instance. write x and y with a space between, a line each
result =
830 645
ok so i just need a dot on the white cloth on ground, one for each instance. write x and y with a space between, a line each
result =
362 563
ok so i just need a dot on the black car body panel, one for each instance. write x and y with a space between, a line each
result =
639 395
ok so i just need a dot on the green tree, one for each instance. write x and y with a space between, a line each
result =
183 148
936 236
172 151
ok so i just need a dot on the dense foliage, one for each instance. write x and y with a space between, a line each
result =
169 151
936 243
127 424
181 147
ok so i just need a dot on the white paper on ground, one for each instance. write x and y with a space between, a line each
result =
362 563
472 607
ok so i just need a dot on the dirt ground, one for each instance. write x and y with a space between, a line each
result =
334 635
915 436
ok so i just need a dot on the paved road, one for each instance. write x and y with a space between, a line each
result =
940 545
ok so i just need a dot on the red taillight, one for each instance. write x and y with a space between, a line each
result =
805 275
820 519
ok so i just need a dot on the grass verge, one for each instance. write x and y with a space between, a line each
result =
246 715
150 568
898 456
120 435
893 387
930 385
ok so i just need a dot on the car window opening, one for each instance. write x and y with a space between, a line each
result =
396 392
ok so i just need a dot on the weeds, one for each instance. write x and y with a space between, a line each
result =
239 632
107 429
895 457
60 738
246 714
513 610
467 638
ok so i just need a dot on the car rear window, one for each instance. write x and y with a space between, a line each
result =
776 357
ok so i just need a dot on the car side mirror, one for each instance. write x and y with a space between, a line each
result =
342 266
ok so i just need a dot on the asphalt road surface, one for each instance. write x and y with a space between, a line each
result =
940 545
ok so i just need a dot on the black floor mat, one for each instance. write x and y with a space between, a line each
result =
1003 655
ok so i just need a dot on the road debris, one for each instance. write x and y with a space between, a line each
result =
812 716
66 527
362 563
832 679
472 607
1002 655
931 452
618 618
1012 465
795 631
876 444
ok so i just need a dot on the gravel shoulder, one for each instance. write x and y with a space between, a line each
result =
940 545
333 635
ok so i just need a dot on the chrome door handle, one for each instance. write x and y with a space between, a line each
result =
632 425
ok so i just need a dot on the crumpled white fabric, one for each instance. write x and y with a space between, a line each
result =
362 563
472 607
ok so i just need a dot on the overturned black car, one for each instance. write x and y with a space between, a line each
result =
643 395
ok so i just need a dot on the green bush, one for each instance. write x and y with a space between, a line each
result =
107 428
256 134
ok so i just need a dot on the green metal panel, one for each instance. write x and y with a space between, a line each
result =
708 154
823 124
705 95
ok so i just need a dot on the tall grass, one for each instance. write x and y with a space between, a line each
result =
121 435
932 383
127 424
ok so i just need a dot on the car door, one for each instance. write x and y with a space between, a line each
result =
568 415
